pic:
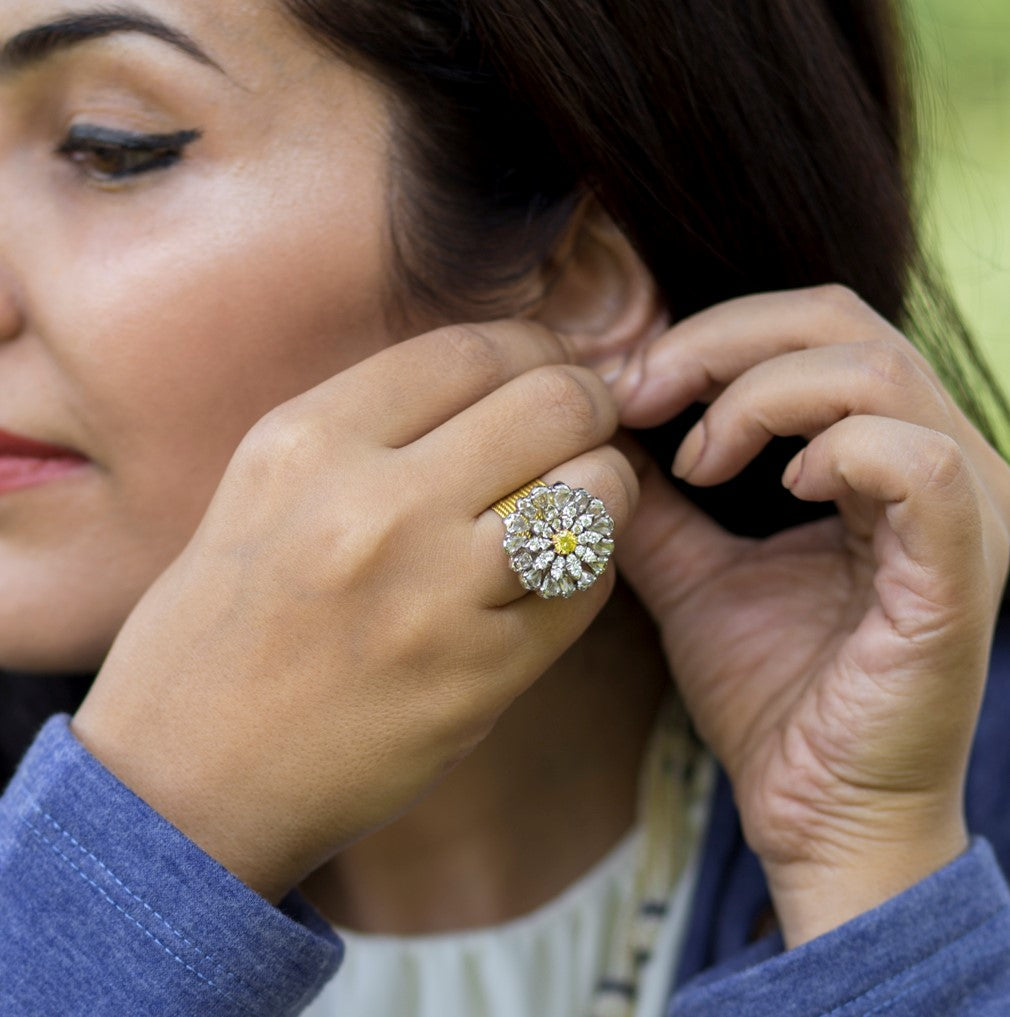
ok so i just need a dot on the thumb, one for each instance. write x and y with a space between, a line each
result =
670 545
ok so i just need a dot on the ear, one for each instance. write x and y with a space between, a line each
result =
598 291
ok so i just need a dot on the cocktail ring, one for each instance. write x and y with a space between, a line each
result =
558 539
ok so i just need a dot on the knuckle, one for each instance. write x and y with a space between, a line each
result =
838 298
734 414
282 437
890 363
476 350
559 346
943 462
565 396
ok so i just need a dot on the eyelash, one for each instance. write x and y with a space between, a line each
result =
108 155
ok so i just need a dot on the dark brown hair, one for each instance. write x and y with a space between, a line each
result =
741 146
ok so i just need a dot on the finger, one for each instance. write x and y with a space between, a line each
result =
803 393
670 545
408 389
531 625
931 552
604 472
518 432
698 356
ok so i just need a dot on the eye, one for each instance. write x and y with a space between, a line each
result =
104 154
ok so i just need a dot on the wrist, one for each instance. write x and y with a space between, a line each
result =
194 791
814 895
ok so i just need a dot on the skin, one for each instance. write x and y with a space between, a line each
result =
168 295
149 324
854 650
292 668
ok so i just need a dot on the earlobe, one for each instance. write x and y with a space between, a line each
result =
599 292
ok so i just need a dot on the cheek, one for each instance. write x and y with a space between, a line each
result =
162 347
187 339
163 323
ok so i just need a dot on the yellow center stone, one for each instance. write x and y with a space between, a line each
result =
564 542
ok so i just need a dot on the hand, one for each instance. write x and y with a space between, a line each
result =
344 625
835 669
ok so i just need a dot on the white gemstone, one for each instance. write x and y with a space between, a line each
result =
540 498
567 586
516 523
539 544
557 568
532 579
550 588
522 562
514 542
574 567
590 537
597 507
545 560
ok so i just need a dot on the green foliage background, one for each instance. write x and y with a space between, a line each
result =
962 63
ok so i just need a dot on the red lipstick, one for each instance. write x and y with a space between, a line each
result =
25 462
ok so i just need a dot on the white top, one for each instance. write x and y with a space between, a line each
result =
543 964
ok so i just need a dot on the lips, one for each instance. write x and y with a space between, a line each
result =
27 448
25 462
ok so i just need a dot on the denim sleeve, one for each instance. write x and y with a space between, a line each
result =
107 909
940 948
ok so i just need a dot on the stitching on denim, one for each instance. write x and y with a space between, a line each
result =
80 872
286 980
164 921
904 971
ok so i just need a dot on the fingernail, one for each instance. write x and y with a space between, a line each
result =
690 452
611 368
626 382
793 471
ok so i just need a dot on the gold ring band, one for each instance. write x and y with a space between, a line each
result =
507 506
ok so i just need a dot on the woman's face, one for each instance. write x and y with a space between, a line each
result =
192 223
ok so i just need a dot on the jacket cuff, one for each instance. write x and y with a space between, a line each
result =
106 908
942 946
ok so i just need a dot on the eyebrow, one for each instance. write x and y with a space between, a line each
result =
34 45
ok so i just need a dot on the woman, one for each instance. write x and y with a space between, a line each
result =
250 465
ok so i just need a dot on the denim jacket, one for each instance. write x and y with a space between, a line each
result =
107 910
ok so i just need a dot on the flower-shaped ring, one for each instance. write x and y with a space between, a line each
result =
558 539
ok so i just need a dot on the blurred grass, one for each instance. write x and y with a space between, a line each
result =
964 92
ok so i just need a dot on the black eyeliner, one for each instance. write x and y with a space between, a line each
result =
125 153
128 140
